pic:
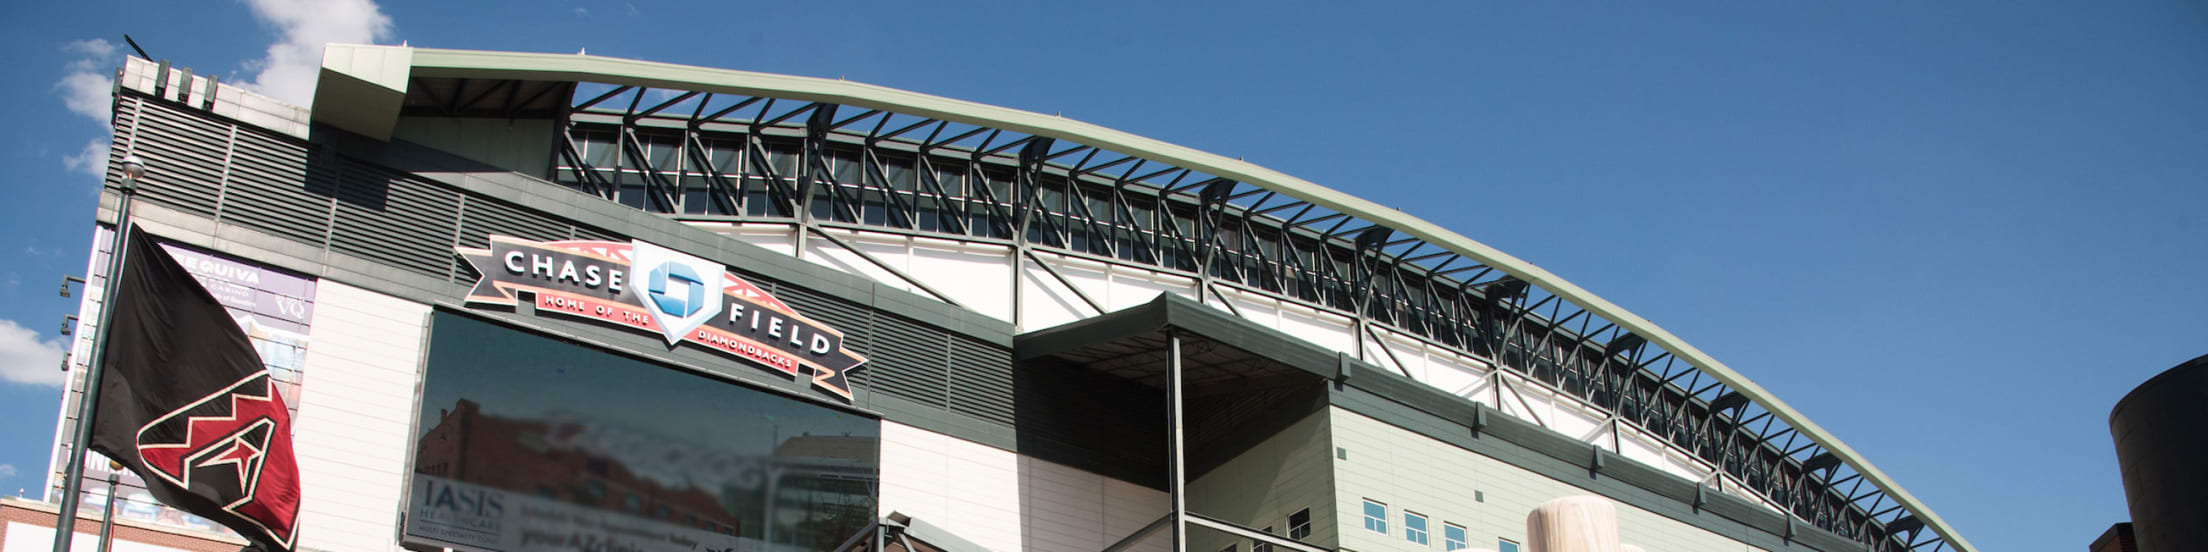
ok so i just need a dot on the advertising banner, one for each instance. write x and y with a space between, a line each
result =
465 516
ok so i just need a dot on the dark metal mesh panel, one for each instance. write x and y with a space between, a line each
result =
909 364
980 379
184 155
267 189
390 218
480 217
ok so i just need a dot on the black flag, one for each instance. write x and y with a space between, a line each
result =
185 403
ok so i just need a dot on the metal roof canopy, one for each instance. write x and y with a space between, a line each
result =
1235 397
371 81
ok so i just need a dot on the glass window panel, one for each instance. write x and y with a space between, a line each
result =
1414 528
875 211
757 202
632 193
929 213
783 160
823 205
599 148
899 173
1453 537
947 176
723 155
697 198
1376 517
663 152
845 166
1000 185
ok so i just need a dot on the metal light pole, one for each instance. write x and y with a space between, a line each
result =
65 524
107 516
1178 469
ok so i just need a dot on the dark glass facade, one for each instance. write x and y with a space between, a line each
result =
530 442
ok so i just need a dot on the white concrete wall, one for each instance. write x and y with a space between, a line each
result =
1406 470
1007 502
353 420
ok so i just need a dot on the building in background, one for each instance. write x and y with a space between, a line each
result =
565 300
2118 538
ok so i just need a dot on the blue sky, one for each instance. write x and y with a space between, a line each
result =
1952 233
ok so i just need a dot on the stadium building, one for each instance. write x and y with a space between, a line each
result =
533 301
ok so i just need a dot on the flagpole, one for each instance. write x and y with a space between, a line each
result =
65 524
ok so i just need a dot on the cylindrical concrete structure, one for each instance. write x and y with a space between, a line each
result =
1573 524
2164 458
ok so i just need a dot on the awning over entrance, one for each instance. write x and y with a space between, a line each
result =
1164 393
1241 383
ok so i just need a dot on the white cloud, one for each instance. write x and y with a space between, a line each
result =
303 27
26 359
91 48
87 87
91 160
7 471
582 11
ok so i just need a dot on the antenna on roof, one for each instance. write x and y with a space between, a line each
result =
134 46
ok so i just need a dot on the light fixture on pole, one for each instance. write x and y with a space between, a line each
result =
73 476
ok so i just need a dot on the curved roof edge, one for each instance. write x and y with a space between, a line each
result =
426 62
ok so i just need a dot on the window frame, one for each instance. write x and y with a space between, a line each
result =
1462 541
1304 529
1422 535
1507 545
1375 524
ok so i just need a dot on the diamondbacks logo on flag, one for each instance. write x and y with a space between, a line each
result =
650 288
230 441
186 403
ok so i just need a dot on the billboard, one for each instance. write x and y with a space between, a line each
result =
645 287
528 442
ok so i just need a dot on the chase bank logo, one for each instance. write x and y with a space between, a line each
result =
675 289
681 291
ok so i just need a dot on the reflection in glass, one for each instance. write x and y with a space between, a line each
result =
523 436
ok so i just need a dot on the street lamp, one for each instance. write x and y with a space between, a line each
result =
133 167
73 478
